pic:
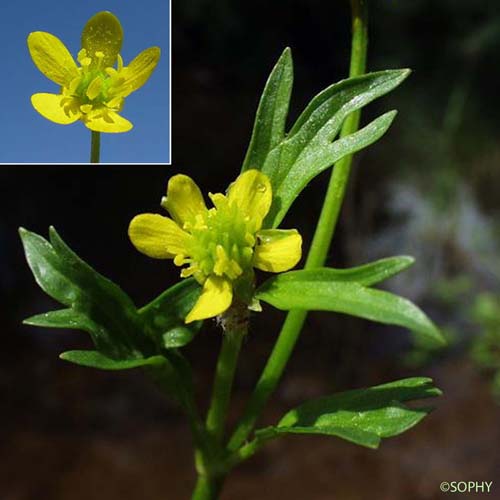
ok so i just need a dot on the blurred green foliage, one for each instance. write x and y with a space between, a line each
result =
485 349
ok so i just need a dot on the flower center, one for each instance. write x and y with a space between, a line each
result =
222 242
94 87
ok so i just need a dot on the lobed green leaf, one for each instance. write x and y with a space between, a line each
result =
362 416
366 274
270 120
98 306
292 160
163 318
320 291
178 337
290 177
94 359
63 318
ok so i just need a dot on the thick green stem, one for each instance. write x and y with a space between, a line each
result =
319 247
95 147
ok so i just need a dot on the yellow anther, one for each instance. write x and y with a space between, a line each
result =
74 85
180 260
82 54
250 239
188 271
222 261
106 116
115 103
200 222
100 56
94 88
86 108
234 269
218 199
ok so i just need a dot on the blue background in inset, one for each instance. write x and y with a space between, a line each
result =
27 137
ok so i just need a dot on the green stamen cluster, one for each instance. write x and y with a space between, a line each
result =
221 243
95 86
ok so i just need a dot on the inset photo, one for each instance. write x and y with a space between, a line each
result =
91 84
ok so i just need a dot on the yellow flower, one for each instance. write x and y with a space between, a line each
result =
220 245
94 92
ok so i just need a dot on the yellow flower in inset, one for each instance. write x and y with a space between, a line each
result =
94 92
220 245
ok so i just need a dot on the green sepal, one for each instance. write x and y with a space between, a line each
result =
320 290
103 32
362 416
94 359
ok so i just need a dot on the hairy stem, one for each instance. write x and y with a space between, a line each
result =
210 461
320 245
235 330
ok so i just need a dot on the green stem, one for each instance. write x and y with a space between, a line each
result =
95 147
206 488
224 375
210 459
319 247
340 173
169 378
269 378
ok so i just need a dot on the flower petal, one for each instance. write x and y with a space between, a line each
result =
137 73
277 250
215 298
184 200
252 193
102 33
157 236
52 57
107 121
50 107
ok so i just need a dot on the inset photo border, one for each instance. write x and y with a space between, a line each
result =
35 133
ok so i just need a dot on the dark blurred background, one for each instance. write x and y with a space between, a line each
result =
428 188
